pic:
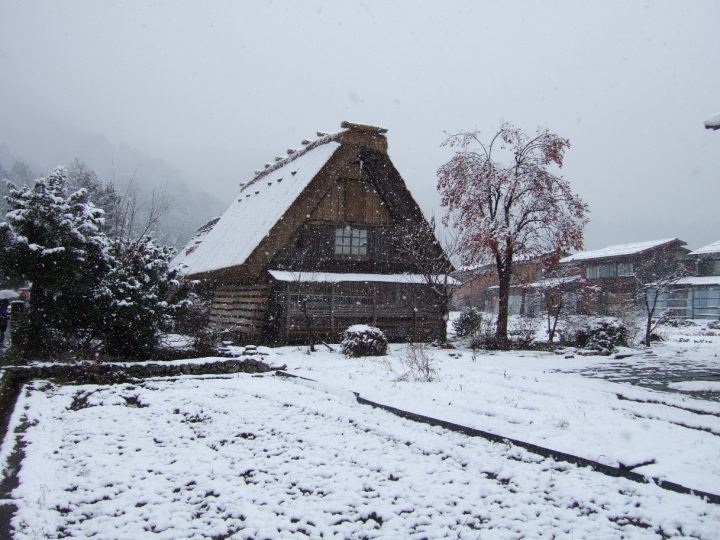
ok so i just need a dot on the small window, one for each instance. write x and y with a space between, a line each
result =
625 269
351 241
608 270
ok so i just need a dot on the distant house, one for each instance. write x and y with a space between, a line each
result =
698 296
612 275
316 241
474 284
707 259
479 285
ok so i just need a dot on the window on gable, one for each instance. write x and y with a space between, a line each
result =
351 241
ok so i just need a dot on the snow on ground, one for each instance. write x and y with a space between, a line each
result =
545 399
264 457
696 386
176 342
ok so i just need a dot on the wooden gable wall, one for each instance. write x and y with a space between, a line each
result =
352 201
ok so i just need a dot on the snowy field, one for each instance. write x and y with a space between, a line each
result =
266 457
261 456
543 398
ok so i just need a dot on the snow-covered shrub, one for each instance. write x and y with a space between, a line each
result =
468 322
363 340
602 335
207 340
521 333
419 363
484 336
677 323
714 325
193 316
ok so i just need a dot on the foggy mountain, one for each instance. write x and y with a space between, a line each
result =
44 142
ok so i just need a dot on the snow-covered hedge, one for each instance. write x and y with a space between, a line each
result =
603 335
677 323
363 340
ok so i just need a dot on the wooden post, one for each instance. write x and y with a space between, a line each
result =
374 312
414 308
287 313
332 308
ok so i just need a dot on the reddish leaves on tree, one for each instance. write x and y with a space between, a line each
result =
504 199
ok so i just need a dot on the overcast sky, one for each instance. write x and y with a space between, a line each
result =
218 88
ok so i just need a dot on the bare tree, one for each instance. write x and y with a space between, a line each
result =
554 295
432 260
301 290
654 279
135 220
126 217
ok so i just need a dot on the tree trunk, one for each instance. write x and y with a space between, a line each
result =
443 299
35 330
308 326
648 329
503 301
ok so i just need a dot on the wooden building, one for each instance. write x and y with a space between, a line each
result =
696 296
612 278
317 241
479 284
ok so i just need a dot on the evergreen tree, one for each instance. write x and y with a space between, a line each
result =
54 240
136 296
102 195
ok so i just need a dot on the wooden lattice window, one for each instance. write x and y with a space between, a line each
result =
351 241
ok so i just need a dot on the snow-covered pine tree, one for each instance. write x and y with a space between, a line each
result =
54 240
139 294
102 194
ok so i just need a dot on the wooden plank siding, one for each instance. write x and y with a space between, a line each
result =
352 201
402 311
240 307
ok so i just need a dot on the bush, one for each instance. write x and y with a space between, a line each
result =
521 333
363 340
468 322
714 325
419 362
483 337
677 323
603 335
207 340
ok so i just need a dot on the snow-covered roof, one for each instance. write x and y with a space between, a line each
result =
699 280
617 250
549 283
192 245
328 277
518 259
713 121
710 248
261 203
